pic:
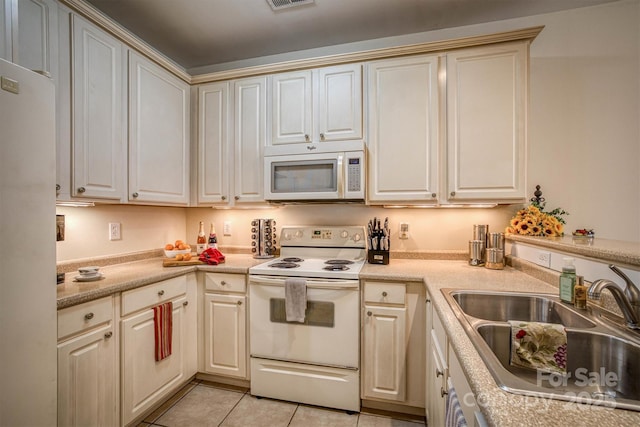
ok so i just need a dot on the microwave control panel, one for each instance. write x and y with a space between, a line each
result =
354 174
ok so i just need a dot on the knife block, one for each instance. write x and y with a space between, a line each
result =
378 257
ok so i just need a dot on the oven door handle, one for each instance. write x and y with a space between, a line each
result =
311 283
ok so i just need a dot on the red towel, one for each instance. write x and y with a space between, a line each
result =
212 256
163 328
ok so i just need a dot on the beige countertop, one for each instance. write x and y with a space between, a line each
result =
130 275
614 251
499 407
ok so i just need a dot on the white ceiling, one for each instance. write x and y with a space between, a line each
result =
196 33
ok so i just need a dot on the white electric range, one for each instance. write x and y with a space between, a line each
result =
315 361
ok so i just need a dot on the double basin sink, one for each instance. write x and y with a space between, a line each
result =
603 360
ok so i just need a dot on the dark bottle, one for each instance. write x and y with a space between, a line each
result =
213 240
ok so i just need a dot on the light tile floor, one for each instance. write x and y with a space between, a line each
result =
201 403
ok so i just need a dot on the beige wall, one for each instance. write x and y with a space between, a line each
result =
584 149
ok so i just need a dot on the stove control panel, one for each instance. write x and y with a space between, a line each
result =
346 236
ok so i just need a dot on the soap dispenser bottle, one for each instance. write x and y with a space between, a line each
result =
567 281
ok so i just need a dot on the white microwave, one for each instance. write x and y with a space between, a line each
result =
323 176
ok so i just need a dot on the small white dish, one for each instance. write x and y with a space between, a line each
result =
173 253
92 278
88 271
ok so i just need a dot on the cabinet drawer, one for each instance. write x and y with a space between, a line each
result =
154 294
75 319
225 282
384 292
438 332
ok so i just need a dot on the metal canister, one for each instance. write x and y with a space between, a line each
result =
480 232
476 252
495 259
495 240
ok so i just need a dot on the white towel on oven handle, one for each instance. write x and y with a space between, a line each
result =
295 299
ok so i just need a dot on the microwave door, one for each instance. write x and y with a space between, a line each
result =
302 178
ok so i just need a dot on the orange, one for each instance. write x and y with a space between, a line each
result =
168 247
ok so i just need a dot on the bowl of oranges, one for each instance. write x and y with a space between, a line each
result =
178 250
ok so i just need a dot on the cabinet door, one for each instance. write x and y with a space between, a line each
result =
99 134
384 353
249 137
291 108
145 382
37 35
87 379
486 123
339 103
158 135
6 49
403 129
435 386
225 335
213 143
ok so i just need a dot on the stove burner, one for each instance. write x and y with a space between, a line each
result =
284 265
292 259
335 267
338 262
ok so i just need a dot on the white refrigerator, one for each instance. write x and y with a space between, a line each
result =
28 322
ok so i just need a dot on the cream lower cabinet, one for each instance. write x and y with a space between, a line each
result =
443 372
87 365
145 381
393 345
225 325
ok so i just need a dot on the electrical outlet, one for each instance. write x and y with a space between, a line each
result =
404 231
226 228
543 258
114 231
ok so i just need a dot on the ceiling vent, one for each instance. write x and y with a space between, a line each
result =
283 4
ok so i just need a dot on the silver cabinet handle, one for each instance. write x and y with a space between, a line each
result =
439 373
186 303
160 293
369 313
88 316
237 197
453 194
433 195
108 335
81 190
239 302
442 392
384 294
58 187
223 283
134 195
224 197
306 137
428 301
322 137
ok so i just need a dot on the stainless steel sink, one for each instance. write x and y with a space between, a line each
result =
603 362
502 307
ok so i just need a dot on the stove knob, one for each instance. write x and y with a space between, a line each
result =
298 234
357 237
344 234
286 236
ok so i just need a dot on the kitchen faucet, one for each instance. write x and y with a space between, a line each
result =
628 301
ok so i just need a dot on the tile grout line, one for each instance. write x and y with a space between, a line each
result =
234 407
197 383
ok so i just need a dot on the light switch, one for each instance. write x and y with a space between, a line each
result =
404 231
114 231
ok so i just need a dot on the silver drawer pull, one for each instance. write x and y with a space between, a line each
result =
88 316
108 335
239 302
442 392
160 293
186 303
384 294
223 283
439 373
369 313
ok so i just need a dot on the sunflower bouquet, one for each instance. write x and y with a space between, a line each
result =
534 221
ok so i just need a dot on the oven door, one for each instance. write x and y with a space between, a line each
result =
332 321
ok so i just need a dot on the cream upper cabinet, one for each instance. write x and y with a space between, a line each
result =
317 105
99 113
214 145
231 139
159 137
403 129
486 123
29 34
